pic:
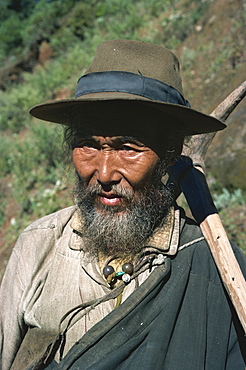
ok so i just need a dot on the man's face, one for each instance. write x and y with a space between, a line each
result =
114 163
119 191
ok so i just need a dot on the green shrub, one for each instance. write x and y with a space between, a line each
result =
40 87
10 34
80 18
45 19
36 162
13 109
227 199
3 203
6 147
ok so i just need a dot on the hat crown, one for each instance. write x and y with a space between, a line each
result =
138 74
143 58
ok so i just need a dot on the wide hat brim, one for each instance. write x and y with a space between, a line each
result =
186 119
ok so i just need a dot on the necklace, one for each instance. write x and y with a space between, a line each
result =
111 276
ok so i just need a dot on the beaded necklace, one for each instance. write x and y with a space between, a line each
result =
111 276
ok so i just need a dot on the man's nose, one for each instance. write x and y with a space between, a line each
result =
108 171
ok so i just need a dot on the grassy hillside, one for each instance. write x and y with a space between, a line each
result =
45 47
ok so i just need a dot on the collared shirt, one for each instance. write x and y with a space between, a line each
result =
48 274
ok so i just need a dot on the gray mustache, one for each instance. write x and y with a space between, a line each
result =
94 190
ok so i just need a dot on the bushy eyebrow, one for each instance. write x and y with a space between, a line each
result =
121 139
130 139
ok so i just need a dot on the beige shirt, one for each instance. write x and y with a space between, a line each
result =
49 274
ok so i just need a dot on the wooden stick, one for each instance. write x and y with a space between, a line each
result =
227 264
188 174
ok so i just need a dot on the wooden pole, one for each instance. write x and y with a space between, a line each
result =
227 264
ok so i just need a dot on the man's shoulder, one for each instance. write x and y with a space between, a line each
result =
189 229
194 245
40 237
54 220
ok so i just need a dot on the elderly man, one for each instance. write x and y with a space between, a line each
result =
123 279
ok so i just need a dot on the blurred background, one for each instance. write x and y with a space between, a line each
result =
46 45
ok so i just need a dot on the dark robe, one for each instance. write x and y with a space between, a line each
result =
179 318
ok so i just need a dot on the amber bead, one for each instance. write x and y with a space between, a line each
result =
128 268
108 270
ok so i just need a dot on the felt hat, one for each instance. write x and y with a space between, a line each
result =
136 72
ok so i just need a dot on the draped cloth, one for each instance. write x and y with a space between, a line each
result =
179 318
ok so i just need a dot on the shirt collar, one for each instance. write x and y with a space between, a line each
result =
165 238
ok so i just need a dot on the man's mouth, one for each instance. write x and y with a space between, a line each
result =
110 200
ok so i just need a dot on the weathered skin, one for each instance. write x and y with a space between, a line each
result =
114 161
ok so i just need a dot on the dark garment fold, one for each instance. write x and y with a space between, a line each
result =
179 318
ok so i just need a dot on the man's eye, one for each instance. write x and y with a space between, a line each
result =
128 148
89 144
86 144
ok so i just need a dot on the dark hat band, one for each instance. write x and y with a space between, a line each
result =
131 83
